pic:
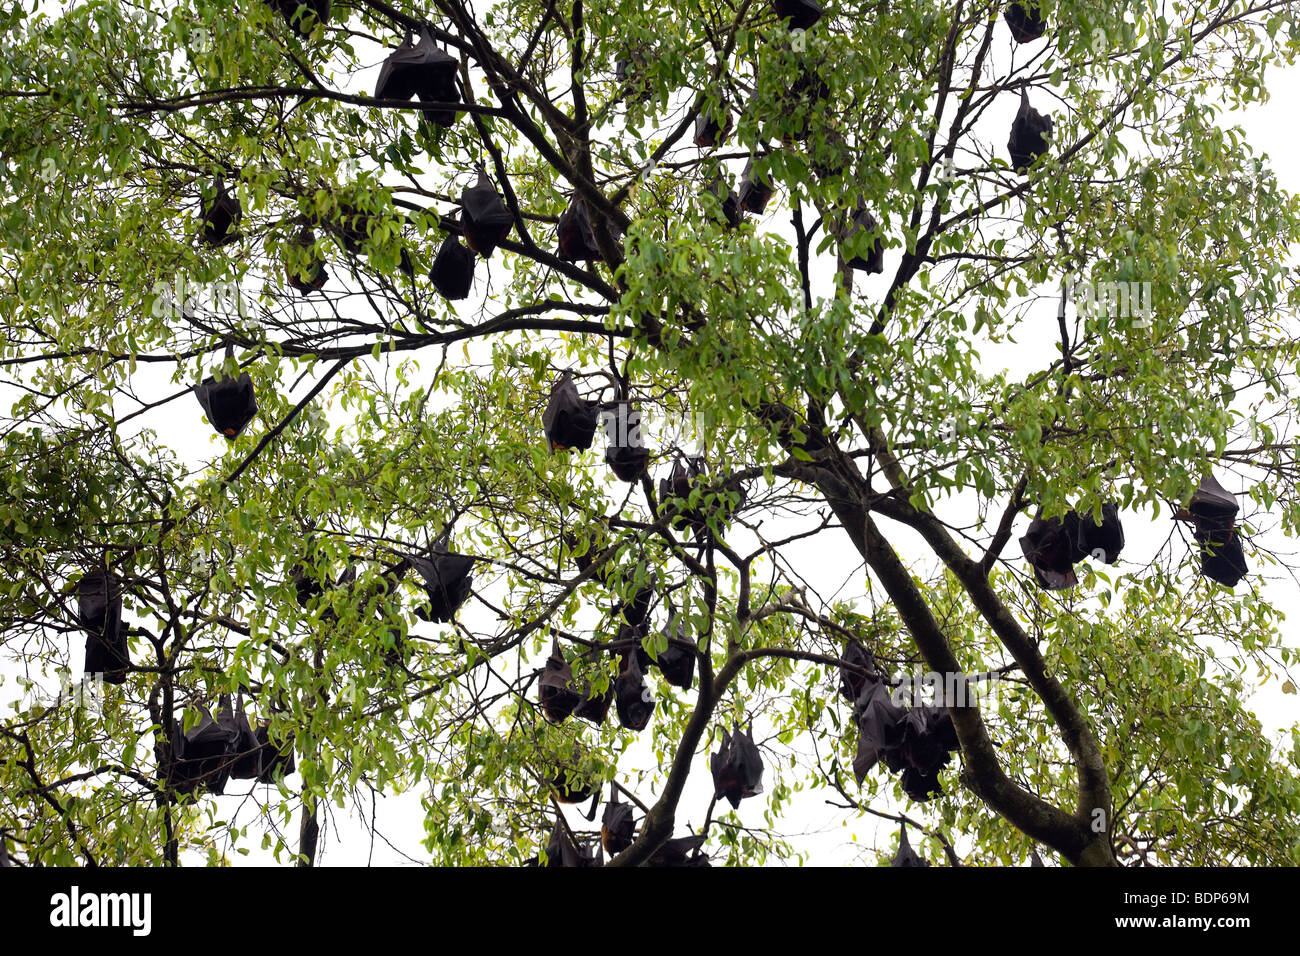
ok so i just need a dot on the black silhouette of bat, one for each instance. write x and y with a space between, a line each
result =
555 689
1051 546
275 760
1030 135
562 851
678 852
636 610
229 403
1026 19
852 684
246 763
308 588
570 788
1035 859
924 746
617 826
1102 540
576 235
678 485
595 708
99 611
728 200
863 222
625 453
712 126
906 856
1213 511
737 767
447 582
299 14
802 14
632 699
755 190
485 220
677 661
631 640
569 420
587 558
424 71
879 721
452 273
201 756
315 276
221 217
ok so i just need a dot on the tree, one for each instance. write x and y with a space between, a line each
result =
283 565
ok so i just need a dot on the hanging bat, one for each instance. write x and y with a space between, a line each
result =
315 277
595 708
634 612
276 760
308 588
555 691
755 190
906 856
1030 135
1213 512
421 69
1026 19
229 403
452 273
221 218
879 721
1052 547
712 126
485 220
802 14
201 756
625 453
863 222
99 611
1102 541
576 235
585 560
447 583
1035 859
569 788
299 14
617 826
246 763
678 485
562 851
677 662
678 852
569 421
737 767
632 699
728 200
852 684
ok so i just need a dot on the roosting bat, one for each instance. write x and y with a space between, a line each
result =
276 760
452 273
729 201
315 277
576 235
246 764
424 71
99 611
562 851
595 708
712 126
632 699
447 582
569 420
299 13
1030 135
555 691
308 588
1102 541
737 767
1051 547
221 217
201 756
229 403
1026 19
1213 511
852 684
879 721
617 826
680 851
906 856
625 453
677 661
802 14
755 190
485 220
863 222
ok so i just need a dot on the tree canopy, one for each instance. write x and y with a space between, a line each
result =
870 339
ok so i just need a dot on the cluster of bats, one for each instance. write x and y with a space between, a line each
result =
617 832
221 748
917 742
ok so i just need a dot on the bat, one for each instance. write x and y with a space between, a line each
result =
424 71
923 749
275 760
737 767
632 699
852 684
728 200
863 222
485 220
585 560
569 421
314 279
299 13
617 826
630 640
712 126
906 856
447 583
678 485
1213 507
627 461
229 403
308 588
802 14
625 454
1105 540
1026 19
1213 512
246 763
755 190
4 850
569 788
99 611
562 851
1030 135
680 851
595 709
1051 547
879 721
555 691
1035 859
634 612
201 756
677 662
221 218
453 270
576 236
